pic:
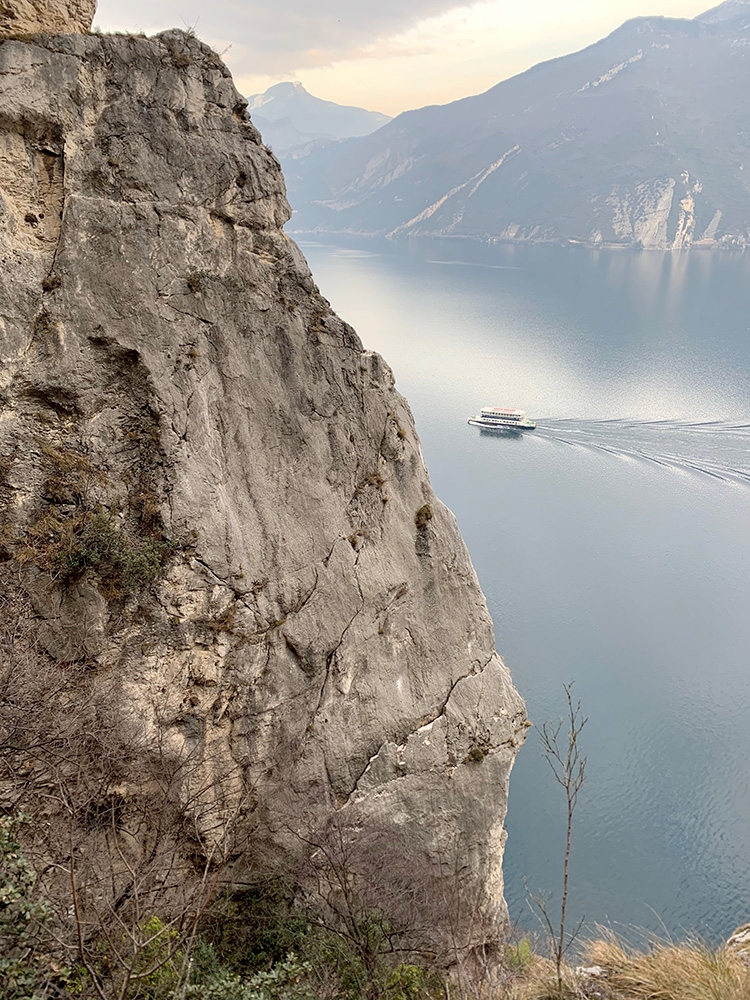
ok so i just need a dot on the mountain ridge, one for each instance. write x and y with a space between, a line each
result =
636 140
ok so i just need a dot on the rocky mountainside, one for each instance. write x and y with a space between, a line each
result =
288 116
642 139
736 12
218 539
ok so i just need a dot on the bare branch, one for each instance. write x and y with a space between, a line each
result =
561 749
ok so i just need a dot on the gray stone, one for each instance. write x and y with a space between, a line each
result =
170 371
27 17
739 943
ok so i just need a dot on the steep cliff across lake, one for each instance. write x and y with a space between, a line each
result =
640 140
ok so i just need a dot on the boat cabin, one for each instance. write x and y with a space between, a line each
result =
499 413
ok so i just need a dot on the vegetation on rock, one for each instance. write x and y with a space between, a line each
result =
156 960
81 524
101 900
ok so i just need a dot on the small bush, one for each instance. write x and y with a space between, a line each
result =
101 545
51 282
317 323
197 281
518 957
70 475
147 507
156 961
423 516
74 531
376 479
253 929
476 755
286 980
146 963
412 982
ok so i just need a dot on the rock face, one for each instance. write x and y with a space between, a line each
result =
212 495
27 17
640 140
739 943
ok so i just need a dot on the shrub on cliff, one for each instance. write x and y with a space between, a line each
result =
101 545
27 971
286 980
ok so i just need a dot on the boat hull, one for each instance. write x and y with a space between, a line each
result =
514 428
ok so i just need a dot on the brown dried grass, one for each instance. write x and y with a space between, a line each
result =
659 970
690 970
539 982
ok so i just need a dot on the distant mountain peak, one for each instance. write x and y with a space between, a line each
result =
311 117
288 87
279 91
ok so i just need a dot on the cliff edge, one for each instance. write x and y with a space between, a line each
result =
214 510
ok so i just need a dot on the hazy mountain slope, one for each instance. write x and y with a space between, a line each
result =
736 11
283 134
640 139
311 116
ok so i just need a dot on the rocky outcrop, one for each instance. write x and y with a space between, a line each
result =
739 943
27 17
211 493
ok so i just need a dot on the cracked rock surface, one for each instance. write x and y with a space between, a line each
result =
208 488
20 17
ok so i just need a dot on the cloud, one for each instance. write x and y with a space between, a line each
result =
278 38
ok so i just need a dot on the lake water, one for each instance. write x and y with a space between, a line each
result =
613 543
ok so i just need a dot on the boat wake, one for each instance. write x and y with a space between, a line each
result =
713 448
475 263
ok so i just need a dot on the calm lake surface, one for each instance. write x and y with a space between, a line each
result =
613 543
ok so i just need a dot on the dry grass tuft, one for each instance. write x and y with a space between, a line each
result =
687 971
660 970
537 981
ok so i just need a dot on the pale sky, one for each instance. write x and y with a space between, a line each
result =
386 55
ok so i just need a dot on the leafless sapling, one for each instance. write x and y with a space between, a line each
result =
561 749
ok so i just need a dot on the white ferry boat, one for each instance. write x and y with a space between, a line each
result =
497 418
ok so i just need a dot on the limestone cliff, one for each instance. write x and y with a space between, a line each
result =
19 17
210 493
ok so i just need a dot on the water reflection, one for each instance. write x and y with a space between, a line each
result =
613 543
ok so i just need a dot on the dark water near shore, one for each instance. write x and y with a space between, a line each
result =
613 543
